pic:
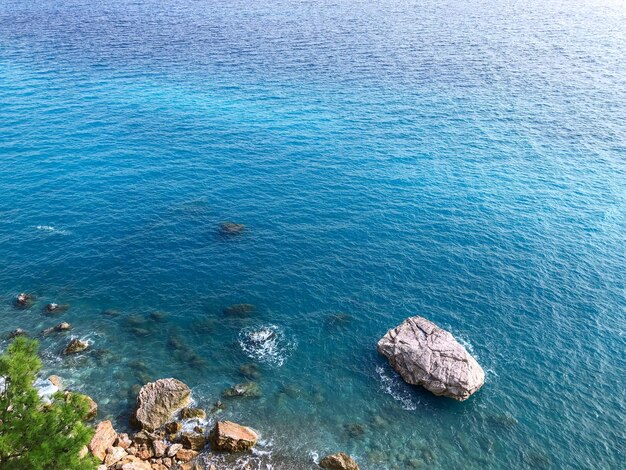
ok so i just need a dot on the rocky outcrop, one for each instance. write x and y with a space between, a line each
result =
157 401
75 346
227 436
340 461
248 389
56 308
424 354
63 326
103 438
24 300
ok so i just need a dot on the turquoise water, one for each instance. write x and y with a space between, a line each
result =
465 161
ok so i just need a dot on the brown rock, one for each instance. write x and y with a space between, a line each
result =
172 427
185 455
114 455
159 448
167 462
193 441
158 400
227 436
137 465
340 461
143 438
56 381
75 346
173 449
145 453
192 413
103 438
123 441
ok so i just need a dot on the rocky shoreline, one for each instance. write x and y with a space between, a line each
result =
171 434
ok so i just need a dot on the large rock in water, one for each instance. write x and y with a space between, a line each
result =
157 401
227 436
340 461
424 354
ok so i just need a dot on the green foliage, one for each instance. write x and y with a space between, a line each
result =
34 435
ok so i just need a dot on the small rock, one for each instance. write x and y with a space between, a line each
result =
248 389
114 455
192 413
172 427
159 447
145 453
185 455
173 449
193 441
64 326
103 438
218 407
56 308
143 438
110 312
56 381
340 461
17 332
75 346
123 441
24 300
231 228
227 436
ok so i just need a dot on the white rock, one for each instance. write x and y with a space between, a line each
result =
424 354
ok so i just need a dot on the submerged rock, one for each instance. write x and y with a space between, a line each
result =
340 461
248 389
231 228
227 436
250 371
24 300
64 326
17 332
424 354
75 346
192 413
239 310
56 308
157 401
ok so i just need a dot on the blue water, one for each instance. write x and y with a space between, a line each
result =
465 161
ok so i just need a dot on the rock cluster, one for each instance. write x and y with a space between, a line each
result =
161 444
424 354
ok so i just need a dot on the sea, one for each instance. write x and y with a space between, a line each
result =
464 161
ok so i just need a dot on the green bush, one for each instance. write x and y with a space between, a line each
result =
34 435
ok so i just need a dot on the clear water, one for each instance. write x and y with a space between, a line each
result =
465 161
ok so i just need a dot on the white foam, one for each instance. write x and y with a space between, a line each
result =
394 387
268 344
51 229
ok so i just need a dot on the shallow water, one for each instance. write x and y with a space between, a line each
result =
460 160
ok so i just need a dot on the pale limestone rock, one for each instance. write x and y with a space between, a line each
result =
424 354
